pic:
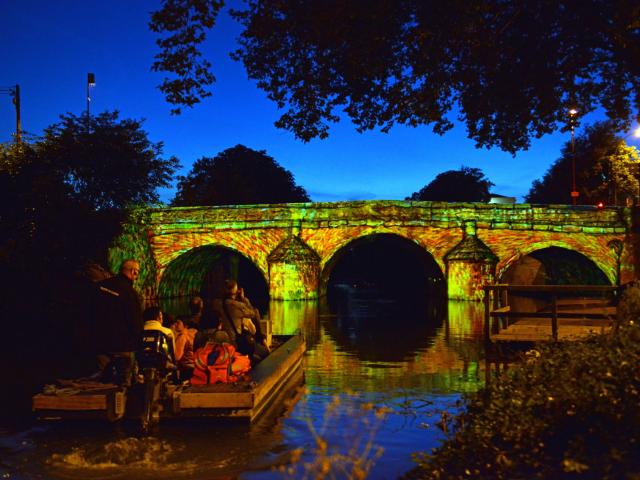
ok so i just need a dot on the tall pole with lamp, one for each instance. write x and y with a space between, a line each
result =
91 82
572 123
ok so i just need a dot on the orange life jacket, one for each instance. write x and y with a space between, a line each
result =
218 362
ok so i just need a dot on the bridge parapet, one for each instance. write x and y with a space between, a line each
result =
553 218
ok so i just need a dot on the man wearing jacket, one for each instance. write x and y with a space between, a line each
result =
118 323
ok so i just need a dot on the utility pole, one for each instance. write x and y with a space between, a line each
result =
15 93
572 123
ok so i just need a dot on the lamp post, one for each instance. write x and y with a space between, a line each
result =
91 82
15 93
572 123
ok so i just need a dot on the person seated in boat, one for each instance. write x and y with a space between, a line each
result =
153 319
219 362
245 320
196 307
212 330
184 340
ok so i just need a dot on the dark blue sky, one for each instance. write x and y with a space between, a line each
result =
49 46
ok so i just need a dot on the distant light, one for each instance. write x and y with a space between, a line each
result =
636 132
600 205
573 111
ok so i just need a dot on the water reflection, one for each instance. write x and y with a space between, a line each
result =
381 327
387 356
288 318
413 362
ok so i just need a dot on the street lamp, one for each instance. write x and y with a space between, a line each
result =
572 123
91 82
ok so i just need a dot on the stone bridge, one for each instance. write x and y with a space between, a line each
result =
295 246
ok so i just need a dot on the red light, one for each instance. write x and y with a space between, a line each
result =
600 205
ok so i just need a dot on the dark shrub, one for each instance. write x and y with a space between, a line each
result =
570 410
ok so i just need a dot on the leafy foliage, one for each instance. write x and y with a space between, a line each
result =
464 185
62 201
570 410
607 170
237 176
187 22
511 69
107 162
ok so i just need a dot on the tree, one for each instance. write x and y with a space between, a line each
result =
607 170
62 202
511 69
238 176
107 162
187 22
464 185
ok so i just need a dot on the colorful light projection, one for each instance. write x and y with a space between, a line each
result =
288 318
450 361
185 276
134 243
508 231
293 271
595 248
470 266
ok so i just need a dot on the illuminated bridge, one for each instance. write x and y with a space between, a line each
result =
295 247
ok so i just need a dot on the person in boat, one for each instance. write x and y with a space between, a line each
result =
213 331
245 320
184 341
166 346
118 323
153 319
196 307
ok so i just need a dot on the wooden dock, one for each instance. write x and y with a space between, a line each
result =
559 312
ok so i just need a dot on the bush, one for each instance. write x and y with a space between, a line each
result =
570 410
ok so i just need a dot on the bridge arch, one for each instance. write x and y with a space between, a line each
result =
600 270
394 243
201 271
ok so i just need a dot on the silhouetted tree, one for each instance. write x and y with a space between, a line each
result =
607 170
237 176
464 185
512 69
186 23
62 200
107 162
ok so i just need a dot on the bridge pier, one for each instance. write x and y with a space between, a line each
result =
470 266
294 270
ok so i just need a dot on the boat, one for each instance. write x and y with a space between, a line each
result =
247 399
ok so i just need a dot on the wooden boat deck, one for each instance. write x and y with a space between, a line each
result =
242 399
564 319
245 399
539 330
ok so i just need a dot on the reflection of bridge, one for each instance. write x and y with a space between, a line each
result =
295 246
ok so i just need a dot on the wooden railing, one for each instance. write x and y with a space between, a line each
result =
497 304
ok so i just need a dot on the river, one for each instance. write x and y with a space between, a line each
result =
377 378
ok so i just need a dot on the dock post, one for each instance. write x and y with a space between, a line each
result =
554 317
487 316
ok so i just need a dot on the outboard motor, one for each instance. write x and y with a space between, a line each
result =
155 351
156 362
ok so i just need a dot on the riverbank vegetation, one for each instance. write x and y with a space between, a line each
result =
569 410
